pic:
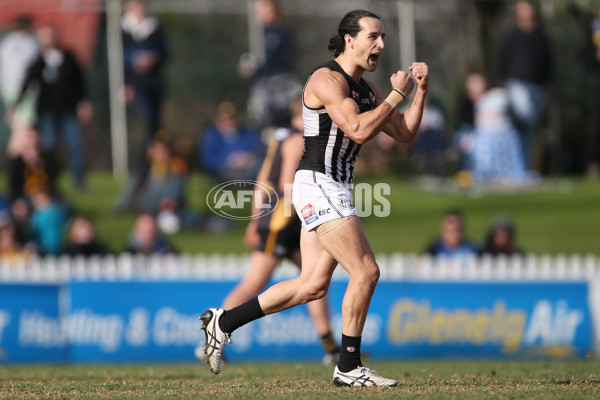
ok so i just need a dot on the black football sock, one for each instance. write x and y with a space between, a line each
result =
350 355
329 344
241 315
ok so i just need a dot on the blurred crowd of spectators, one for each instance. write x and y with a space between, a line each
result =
500 239
502 119
43 90
45 97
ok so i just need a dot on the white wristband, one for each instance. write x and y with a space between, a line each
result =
391 102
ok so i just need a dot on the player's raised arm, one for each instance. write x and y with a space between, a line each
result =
404 127
329 88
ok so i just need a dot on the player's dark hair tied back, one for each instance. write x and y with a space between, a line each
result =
349 25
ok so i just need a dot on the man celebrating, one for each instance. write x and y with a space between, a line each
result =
341 111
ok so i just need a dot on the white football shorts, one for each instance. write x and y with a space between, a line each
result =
318 199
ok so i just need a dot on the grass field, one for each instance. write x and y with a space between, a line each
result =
418 380
561 216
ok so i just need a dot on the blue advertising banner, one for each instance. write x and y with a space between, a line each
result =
442 320
158 321
483 320
139 321
30 324
152 321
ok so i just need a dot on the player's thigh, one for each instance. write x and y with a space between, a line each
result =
317 264
347 243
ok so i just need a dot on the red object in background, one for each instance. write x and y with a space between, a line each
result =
76 20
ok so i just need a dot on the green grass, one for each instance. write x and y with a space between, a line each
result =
559 217
422 380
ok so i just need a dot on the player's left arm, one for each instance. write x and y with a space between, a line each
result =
404 127
291 153
251 235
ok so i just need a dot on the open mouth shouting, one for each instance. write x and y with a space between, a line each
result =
374 58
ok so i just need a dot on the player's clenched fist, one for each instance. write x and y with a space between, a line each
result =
421 73
402 81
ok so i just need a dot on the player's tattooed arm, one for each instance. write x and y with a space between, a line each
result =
404 127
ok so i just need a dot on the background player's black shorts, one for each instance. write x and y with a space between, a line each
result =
283 243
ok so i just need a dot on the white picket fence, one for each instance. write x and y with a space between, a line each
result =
216 267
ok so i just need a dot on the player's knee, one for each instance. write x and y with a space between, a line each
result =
374 275
312 292
370 275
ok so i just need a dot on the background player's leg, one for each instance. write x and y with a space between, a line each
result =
261 269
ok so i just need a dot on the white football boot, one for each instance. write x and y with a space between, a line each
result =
215 338
330 359
360 377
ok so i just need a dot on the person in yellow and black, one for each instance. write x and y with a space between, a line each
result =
12 250
32 170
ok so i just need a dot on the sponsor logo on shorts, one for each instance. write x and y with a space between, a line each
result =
325 211
350 349
345 203
309 214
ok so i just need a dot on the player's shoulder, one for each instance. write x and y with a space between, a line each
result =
325 82
326 75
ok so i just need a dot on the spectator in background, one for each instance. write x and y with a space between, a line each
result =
496 158
82 239
279 47
62 104
48 223
32 170
162 181
18 49
11 246
145 238
501 239
144 54
230 150
162 192
164 186
20 211
475 88
524 67
452 242
430 157
273 86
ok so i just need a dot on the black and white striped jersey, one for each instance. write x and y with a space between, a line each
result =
326 148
